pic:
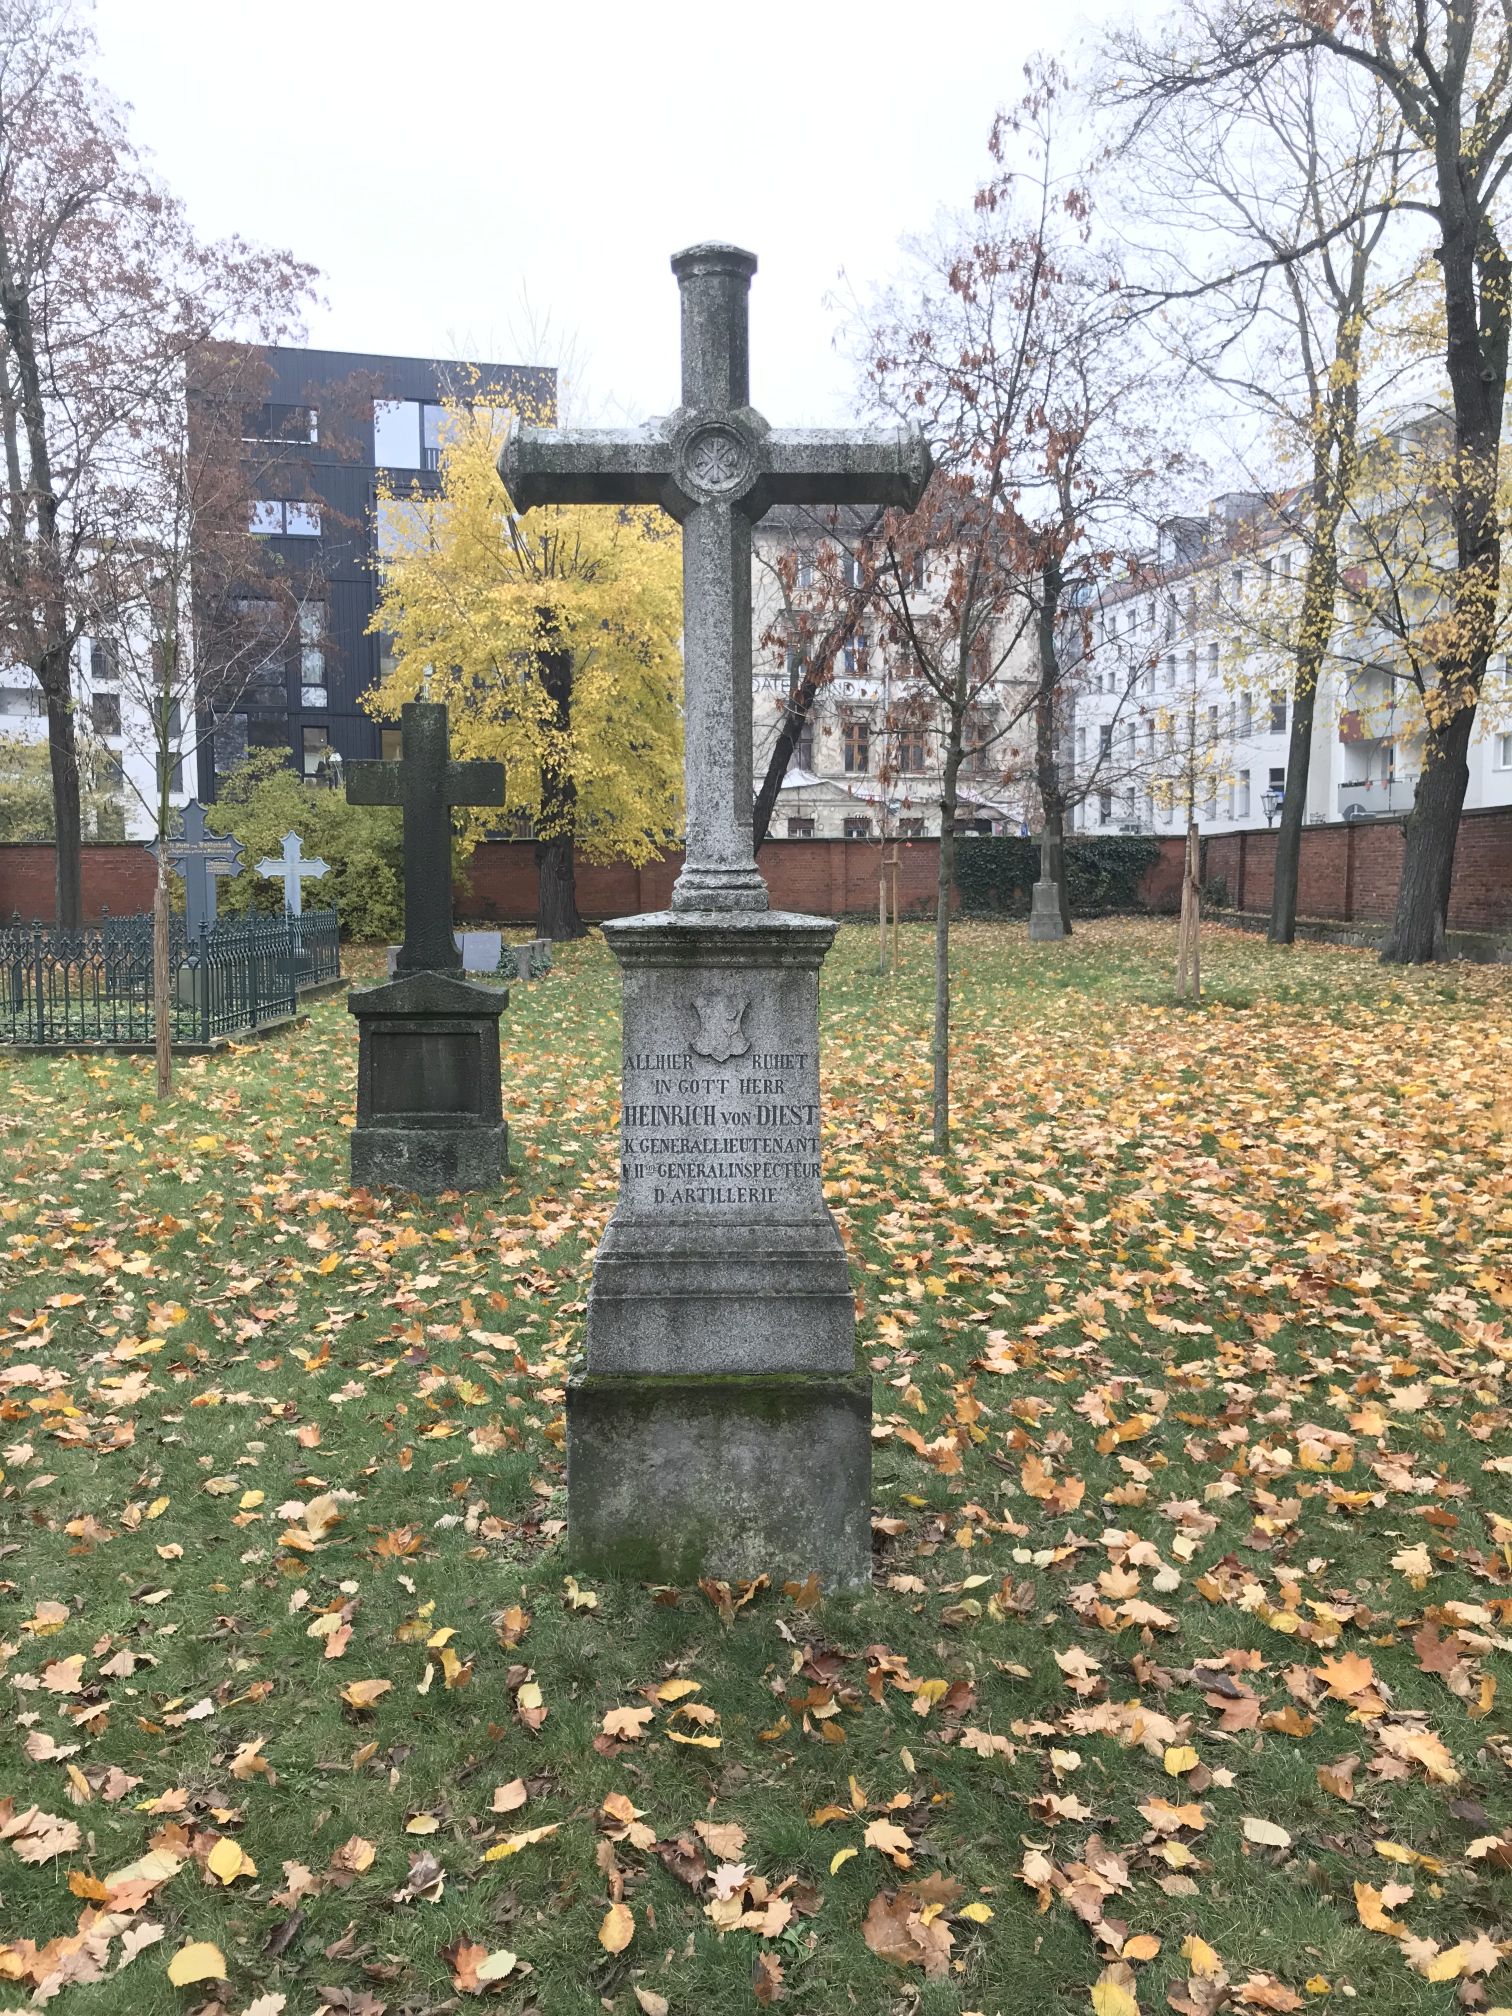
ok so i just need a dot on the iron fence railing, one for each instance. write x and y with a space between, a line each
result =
95 985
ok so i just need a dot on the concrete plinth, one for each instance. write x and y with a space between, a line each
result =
1045 920
429 1111
671 1478
719 1425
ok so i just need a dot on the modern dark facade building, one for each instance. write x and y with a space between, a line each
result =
334 425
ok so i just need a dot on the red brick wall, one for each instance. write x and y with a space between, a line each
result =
1348 874
826 878
116 878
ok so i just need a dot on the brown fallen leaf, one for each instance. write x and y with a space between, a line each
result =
618 1928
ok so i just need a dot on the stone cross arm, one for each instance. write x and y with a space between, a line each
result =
768 465
475 783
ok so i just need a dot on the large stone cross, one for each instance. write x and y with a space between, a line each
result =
199 857
292 867
427 784
716 466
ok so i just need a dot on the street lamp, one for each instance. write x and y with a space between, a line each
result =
1270 804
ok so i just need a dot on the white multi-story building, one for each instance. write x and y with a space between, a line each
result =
1185 692
117 741
868 762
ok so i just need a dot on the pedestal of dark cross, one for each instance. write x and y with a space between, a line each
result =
718 1424
429 1111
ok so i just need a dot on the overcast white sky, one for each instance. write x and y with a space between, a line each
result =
442 163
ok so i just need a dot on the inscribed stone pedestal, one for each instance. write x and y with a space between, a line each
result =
429 1108
717 1424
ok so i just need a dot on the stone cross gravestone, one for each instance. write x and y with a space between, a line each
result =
429 1111
718 1424
293 869
199 857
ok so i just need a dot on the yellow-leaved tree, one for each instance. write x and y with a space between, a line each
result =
553 638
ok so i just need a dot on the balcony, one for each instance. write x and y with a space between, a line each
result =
1377 797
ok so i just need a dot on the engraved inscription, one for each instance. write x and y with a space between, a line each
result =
746 1134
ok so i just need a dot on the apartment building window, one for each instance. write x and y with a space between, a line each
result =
850 570
857 746
312 655
1278 779
1238 581
1081 745
1170 618
1191 607
1105 808
910 829
1286 566
800 828
316 749
858 829
20 701
1242 795
854 655
1170 671
175 753
283 517
407 433
275 421
805 570
390 744
1212 661
105 713
1278 712
1246 712
1504 752
104 666
1105 739
1212 719
803 748
912 749
1191 665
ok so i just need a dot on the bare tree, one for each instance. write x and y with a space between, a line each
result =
104 291
1446 66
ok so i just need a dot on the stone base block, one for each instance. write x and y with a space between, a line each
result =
1045 920
429 1160
674 1477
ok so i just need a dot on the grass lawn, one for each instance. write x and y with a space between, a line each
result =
1193 1503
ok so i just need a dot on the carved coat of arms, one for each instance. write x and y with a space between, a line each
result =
719 1035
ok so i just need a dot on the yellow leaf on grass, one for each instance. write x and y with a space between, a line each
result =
197 1962
979 1913
1200 1957
1143 1946
226 1861
618 1928
840 1857
1266 1834
362 1694
1111 1998
1180 1757
515 1842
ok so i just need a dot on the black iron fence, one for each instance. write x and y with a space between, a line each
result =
95 985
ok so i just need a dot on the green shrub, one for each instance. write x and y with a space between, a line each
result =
997 872
263 799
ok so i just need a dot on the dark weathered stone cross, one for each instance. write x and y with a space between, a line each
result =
427 784
199 857
716 466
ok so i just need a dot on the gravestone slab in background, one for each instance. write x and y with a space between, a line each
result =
429 1114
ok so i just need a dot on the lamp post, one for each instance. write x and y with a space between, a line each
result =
1270 804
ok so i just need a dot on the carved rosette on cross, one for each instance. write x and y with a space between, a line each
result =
718 1424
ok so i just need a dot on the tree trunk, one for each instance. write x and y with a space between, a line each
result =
63 755
1283 917
1188 952
556 891
944 890
556 880
1428 839
162 978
